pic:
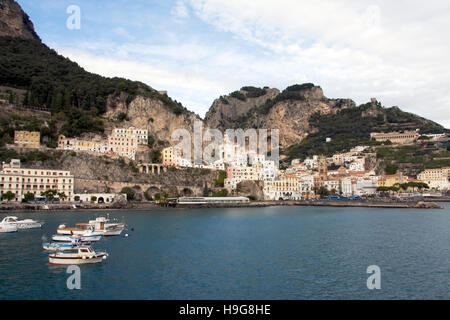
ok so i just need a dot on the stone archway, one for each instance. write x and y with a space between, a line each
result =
152 191
187 192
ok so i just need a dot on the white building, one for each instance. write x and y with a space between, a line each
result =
140 134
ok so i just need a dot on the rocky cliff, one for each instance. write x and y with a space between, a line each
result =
14 21
150 114
289 110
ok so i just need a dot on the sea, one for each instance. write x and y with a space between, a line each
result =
242 253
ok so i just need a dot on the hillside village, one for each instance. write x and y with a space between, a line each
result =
346 175
72 135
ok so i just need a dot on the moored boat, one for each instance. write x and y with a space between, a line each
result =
69 238
107 228
62 246
7 228
80 255
21 224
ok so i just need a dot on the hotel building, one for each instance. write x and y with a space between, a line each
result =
21 181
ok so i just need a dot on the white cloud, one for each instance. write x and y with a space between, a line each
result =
180 11
123 33
393 50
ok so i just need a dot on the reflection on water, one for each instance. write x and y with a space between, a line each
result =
264 253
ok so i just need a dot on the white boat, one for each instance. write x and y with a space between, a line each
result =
7 228
82 238
80 255
75 243
80 229
104 226
22 224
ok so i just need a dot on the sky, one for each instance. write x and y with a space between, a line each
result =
198 50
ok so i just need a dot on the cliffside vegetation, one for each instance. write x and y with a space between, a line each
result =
350 127
74 96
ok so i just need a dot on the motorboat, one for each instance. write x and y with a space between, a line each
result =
22 224
82 238
80 255
7 227
104 226
80 229
62 246
84 230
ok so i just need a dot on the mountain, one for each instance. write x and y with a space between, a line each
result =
33 75
306 118
289 110
14 22
83 103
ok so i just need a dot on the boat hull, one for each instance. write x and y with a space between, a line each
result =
69 232
7 228
54 259
57 247
111 233
64 238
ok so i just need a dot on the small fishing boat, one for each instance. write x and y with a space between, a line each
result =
80 255
22 224
80 229
69 238
63 246
104 226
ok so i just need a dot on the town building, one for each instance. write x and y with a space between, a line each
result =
392 180
98 197
437 179
21 181
27 139
286 187
140 134
406 137
122 142
167 157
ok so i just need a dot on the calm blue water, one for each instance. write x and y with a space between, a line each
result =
268 253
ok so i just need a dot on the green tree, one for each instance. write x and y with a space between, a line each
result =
77 198
62 196
221 176
93 199
28 197
206 190
155 156
49 194
8 196
322 191
129 192
151 141
391 168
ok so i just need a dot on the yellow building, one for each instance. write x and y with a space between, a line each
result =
27 139
167 156
75 144
392 180
21 181
406 137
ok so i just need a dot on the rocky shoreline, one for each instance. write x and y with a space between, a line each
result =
256 204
